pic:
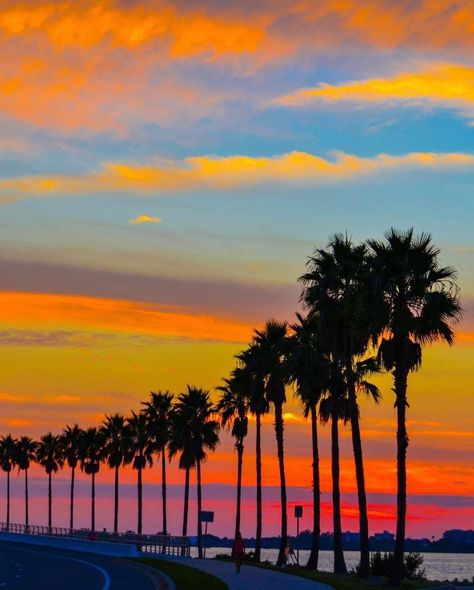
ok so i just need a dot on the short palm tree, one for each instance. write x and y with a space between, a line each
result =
417 303
158 411
7 462
200 434
49 454
271 345
308 371
233 408
140 453
252 371
71 438
91 454
115 432
25 454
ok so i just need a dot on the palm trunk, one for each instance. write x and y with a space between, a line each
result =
401 378
364 566
258 461
279 427
50 501
8 499
140 500
199 508
186 503
71 506
116 498
314 555
163 489
27 517
93 503
240 457
339 562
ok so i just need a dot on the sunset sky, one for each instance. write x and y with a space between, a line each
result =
165 170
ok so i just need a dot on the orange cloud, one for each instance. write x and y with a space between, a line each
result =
139 219
445 84
226 173
38 310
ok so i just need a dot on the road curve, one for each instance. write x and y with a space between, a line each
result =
24 567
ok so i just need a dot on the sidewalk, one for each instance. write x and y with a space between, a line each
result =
250 577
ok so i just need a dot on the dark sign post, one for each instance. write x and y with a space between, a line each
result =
206 516
298 515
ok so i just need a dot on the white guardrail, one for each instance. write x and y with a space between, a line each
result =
160 544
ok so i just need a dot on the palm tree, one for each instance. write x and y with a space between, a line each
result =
201 434
334 292
140 453
71 443
271 344
252 371
25 454
308 370
418 302
50 456
233 408
158 412
115 432
7 462
91 454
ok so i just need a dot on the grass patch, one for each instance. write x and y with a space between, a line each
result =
185 577
349 582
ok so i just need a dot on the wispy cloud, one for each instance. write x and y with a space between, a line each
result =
139 219
229 172
447 85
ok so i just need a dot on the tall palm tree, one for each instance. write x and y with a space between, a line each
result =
140 453
115 432
49 455
418 303
158 411
25 454
195 410
253 372
334 292
271 345
308 370
71 438
233 408
91 454
7 462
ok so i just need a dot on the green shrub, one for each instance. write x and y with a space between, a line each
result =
381 565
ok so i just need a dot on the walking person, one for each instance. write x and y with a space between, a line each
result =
238 552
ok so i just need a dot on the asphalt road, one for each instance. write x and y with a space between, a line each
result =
24 567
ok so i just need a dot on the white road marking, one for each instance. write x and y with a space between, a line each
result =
107 579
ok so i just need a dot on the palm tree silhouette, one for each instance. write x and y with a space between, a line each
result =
25 454
91 454
7 462
140 453
252 371
70 440
417 303
308 370
233 408
198 433
50 456
271 345
158 411
334 292
115 432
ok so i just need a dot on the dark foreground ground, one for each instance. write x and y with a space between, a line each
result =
24 567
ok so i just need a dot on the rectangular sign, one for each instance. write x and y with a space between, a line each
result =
298 511
207 516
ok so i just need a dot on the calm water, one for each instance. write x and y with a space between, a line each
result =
438 566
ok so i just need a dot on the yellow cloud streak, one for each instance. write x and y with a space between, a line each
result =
22 310
445 84
230 172
139 219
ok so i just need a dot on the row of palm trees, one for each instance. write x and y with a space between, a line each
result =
367 308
